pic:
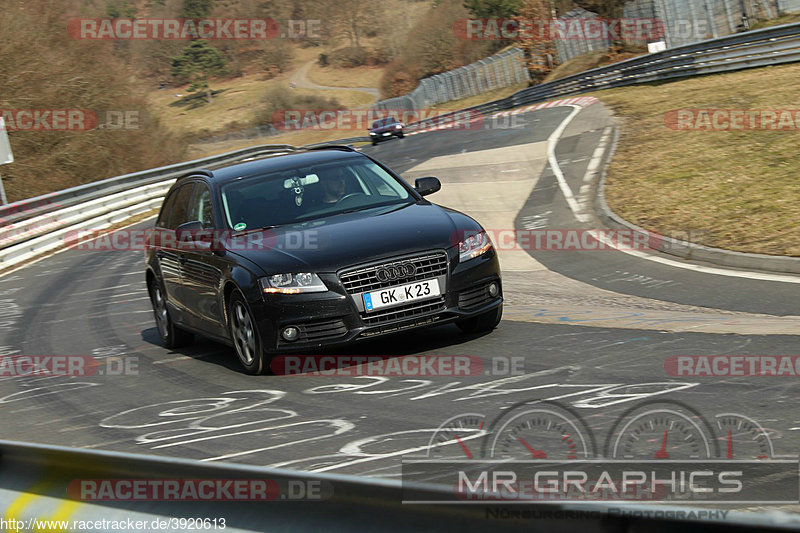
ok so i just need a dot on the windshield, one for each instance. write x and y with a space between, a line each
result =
307 193
384 122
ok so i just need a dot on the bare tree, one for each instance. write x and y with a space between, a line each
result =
539 48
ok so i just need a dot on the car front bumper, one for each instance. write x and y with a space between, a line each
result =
381 135
336 317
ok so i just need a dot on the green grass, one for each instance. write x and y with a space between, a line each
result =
737 190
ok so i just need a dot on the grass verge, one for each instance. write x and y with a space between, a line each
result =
345 77
590 61
482 98
736 190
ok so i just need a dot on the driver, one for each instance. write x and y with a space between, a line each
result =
333 186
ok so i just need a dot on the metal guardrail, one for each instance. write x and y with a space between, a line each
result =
43 482
39 205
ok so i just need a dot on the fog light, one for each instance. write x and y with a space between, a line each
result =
290 333
493 290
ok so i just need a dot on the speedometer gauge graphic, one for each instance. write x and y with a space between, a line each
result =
458 438
741 437
542 433
661 433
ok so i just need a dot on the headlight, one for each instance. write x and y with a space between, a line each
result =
474 246
292 283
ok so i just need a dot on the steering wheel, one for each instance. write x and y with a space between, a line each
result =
351 195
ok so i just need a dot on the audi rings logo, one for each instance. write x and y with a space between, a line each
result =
395 272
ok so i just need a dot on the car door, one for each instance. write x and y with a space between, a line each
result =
167 253
201 269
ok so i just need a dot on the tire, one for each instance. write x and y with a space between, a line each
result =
401 135
171 335
245 336
481 323
374 143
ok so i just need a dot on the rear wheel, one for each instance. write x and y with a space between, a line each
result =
246 340
481 323
171 335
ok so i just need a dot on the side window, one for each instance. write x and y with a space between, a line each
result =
180 207
201 207
166 210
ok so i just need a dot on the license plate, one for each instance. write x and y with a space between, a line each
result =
387 133
420 290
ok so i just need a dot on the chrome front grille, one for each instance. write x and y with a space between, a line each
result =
364 279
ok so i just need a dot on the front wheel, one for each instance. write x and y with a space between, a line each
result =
171 335
246 340
481 323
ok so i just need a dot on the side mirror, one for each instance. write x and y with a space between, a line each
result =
426 186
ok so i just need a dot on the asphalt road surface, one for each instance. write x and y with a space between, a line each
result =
585 338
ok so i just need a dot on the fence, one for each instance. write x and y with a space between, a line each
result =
567 49
688 21
500 70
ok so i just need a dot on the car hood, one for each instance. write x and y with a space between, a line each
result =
329 244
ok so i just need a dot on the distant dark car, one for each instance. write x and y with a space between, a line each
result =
385 128
314 248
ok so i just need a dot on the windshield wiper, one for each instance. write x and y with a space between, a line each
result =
253 230
354 209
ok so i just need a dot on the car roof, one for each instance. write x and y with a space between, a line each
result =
275 163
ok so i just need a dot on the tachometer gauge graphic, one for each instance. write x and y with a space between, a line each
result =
660 433
458 438
542 433
741 437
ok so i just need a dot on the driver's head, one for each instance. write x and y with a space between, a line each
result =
334 182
